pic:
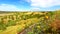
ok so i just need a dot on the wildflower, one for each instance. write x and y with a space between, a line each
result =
46 17
38 27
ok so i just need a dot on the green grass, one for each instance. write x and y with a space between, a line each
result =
11 30
25 19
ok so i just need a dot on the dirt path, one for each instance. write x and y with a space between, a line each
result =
27 30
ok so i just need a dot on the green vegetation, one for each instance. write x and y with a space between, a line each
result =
17 22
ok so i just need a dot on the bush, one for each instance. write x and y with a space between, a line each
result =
2 26
11 23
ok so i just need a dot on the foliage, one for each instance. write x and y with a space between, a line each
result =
2 26
42 21
11 23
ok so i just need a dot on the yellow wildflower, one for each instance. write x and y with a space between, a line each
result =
46 17
38 27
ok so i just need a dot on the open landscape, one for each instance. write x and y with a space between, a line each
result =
29 16
39 22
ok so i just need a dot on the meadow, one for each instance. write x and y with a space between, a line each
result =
39 22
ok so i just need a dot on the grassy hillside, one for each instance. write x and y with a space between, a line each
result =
17 22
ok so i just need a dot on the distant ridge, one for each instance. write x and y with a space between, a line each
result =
20 11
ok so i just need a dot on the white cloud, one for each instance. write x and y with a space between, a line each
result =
35 9
44 3
8 7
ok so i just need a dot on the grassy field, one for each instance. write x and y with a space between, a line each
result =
18 22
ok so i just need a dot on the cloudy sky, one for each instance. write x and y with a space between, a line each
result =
27 5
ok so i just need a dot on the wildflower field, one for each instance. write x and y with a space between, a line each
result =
39 22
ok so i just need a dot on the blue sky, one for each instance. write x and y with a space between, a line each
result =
29 5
